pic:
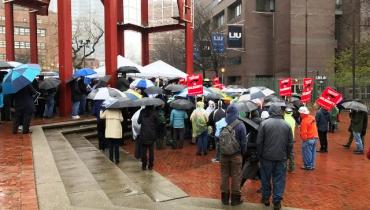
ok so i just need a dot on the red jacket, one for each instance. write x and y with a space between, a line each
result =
308 128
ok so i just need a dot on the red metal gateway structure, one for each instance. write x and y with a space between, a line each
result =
114 36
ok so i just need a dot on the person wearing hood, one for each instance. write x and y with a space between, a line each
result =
288 117
231 164
309 135
211 107
322 123
274 146
200 129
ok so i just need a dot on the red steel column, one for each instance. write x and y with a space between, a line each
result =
65 55
121 32
9 31
189 38
144 34
33 37
110 20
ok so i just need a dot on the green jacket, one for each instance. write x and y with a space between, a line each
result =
357 121
199 122
290 120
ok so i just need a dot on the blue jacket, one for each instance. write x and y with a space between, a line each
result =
1 97
240 130
219 125
322 120
177 118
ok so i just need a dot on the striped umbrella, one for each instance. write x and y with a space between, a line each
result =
132 95
105 93
141 83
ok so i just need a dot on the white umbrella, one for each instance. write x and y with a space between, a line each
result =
106 93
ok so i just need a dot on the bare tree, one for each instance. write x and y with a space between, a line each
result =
169 47
85 38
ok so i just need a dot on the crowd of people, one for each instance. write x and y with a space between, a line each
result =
249 145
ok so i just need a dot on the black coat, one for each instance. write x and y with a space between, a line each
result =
76 92
23 100
148 119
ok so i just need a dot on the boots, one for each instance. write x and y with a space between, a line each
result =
236 200
225 198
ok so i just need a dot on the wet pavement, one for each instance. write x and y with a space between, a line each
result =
340 181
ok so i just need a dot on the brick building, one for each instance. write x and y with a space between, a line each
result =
274 41
47 37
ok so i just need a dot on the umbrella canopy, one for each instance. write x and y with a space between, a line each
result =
246 106
141 83
160 69
355 105
49 83
234 89
20 77
256 93
276 103
148 102
105 93
181 104
117 103
132 95
250 123
184 92
153 90
174 88
5 65
14 63
84 72
128 69
272 98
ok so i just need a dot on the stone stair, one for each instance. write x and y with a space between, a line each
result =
71 173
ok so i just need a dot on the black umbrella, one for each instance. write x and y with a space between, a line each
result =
250 123
213 96
246 106
181 104
174 88
148 102
355 106
117 103
128 69
272 98
5 65
153 90
49 83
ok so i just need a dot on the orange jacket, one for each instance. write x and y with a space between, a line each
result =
308 128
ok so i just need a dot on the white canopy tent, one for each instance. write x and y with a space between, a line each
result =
160 69
121 61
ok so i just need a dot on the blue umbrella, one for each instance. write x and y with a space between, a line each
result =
84 72
20 77
141 83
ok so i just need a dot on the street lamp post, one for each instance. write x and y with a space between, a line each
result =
84 43
222 75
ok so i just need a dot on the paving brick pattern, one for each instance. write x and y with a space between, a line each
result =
340 181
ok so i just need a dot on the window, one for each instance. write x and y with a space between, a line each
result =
2 18
238 10
237 80
16 45
2 56
21 31
234 11
28 45
2 30
27 31
16 31
41 32
265 5
39 21
2 44
219 20
41 45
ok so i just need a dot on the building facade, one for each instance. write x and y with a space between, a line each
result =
274 37
47 37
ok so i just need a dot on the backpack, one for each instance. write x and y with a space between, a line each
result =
228 143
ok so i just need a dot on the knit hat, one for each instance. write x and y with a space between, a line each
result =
303 110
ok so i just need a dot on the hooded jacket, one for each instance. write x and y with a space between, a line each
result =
357 122
322 120
199 120
148 119
240 130
274 139
288 117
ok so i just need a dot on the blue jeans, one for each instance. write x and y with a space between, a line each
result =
75 108
202 141
277 171
358 141
309 153
49 106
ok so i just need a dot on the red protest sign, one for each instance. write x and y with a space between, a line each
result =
285 87
307 90
216 83
182 81
329 98
195 84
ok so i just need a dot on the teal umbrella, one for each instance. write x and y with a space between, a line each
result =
20 77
